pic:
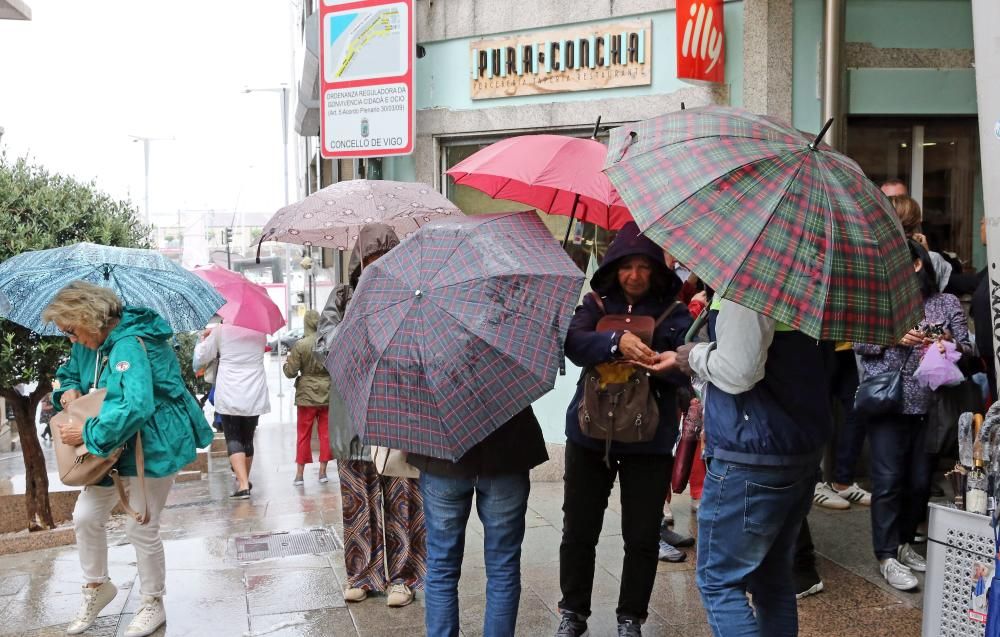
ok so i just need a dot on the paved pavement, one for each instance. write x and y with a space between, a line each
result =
211 592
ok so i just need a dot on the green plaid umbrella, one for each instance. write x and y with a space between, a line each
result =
771 219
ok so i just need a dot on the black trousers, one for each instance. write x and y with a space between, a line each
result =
901 480
644 480
239 432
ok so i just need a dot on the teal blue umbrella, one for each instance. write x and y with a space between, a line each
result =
141 278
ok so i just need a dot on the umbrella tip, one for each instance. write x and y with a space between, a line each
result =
682 106
819 137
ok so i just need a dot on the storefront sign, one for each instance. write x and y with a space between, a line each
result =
701 47
580 59
366 72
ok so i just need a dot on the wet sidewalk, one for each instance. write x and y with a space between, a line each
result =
212 591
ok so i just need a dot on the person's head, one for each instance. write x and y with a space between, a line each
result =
894 187
635 275
908 211
635 266
923 268
310 321
84 312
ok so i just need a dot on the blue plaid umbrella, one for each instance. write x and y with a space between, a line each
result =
453 332
143 278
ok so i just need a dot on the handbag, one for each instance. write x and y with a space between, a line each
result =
80 468
881 393
687 444
392 463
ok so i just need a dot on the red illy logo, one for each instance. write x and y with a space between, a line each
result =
700 40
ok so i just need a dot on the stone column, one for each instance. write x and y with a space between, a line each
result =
767 57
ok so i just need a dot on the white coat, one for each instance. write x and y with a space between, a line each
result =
241 383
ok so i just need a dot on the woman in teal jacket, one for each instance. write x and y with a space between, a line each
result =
128 352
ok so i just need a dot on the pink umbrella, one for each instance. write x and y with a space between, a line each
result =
247 304
554 173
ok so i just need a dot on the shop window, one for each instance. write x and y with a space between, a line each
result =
938 159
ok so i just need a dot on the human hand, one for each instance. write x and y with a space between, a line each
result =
682 355
71 434
206 333
913 338
662 362
68 396
633 349
921 239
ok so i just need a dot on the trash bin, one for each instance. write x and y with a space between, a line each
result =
960 548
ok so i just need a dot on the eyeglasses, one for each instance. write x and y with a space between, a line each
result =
68 331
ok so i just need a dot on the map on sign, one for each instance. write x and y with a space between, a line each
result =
366 43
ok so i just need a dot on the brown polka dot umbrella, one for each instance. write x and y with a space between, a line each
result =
332 217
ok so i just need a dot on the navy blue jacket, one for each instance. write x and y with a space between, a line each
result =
587 347
784 419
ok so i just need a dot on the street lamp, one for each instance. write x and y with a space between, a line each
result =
282 92
145 151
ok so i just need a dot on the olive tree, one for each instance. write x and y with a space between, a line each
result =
40 210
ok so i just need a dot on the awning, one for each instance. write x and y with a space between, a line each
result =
307 105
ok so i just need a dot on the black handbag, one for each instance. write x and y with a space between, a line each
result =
881 393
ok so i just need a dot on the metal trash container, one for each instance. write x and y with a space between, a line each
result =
957 544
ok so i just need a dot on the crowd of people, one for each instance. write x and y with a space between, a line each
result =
769 393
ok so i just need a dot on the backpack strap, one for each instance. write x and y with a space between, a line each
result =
668 312
598 301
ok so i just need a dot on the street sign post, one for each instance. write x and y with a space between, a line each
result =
367 50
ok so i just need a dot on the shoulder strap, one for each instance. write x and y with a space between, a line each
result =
598 301
668 312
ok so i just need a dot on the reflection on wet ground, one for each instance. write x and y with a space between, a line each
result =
210 592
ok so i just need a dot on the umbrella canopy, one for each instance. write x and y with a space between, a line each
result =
771 219
554 173
142 278
331 217
247 304
453 332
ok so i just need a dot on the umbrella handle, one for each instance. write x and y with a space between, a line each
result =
572 217
696 326
259 244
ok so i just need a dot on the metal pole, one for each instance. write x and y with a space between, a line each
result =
145 152
833 46
985 17
283 95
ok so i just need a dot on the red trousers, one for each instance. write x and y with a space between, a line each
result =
303 448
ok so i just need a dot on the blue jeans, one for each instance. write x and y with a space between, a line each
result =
502 502
748 523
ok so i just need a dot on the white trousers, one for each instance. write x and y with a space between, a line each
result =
90 518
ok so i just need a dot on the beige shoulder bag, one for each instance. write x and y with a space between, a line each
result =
80 468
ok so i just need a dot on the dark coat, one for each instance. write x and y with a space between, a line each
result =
587 347
515 447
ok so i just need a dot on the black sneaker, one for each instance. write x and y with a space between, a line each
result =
571 625
807 582
242 494
675 539
629 627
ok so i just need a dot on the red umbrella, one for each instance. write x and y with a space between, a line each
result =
556 174
247 304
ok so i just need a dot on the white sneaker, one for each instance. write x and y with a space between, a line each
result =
668 514
94 601
148 618
899 577
856 495
911 559
825 496
399 595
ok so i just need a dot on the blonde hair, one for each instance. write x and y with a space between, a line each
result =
908 211
82 304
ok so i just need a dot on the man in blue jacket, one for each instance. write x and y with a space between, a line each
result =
767 419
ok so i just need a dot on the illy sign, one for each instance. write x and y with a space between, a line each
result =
701 48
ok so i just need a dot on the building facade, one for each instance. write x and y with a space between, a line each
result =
906 109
